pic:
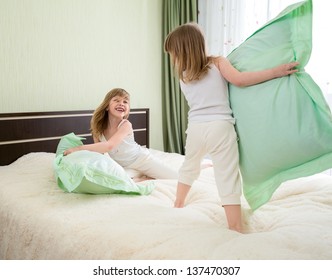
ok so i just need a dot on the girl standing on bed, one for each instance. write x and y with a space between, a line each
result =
203 81
113 133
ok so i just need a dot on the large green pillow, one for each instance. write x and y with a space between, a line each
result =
68 141
284 125
91 172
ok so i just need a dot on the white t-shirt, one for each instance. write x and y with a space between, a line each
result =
208 97
127 151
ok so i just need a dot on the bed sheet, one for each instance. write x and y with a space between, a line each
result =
39 221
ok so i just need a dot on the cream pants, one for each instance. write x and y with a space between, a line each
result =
219 140
151 166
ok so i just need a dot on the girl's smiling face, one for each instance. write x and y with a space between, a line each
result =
119 106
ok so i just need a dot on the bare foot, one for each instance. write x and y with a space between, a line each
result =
238 229
140 179
178 204
234 219
206 165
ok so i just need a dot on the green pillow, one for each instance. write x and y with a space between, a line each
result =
91 172
284 125
68 141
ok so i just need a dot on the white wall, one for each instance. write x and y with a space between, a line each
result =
67 54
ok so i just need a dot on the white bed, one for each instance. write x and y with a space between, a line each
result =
39 221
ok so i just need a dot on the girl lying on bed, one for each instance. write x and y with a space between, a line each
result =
113 134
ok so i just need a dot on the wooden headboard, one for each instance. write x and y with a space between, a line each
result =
22 133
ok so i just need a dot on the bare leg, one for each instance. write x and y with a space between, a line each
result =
234 219
181 194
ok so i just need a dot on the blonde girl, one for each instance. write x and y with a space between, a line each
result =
113 134
203 81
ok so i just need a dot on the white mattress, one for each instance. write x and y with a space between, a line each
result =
39 221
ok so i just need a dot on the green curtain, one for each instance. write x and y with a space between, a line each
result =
174 105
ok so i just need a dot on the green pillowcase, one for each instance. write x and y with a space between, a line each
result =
91 172
284 125
68 141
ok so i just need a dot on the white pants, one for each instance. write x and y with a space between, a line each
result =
151 166
219 140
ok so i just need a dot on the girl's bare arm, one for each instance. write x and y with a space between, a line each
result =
242 79
103 147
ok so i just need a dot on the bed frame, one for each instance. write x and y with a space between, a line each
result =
22 133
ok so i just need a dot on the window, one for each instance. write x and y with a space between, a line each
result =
227 23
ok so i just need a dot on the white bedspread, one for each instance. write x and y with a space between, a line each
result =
40 221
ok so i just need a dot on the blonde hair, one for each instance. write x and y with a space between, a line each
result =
186 46
99 120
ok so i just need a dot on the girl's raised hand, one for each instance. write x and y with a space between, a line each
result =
285 69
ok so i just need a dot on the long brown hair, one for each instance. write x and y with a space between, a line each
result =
186 46
99 120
